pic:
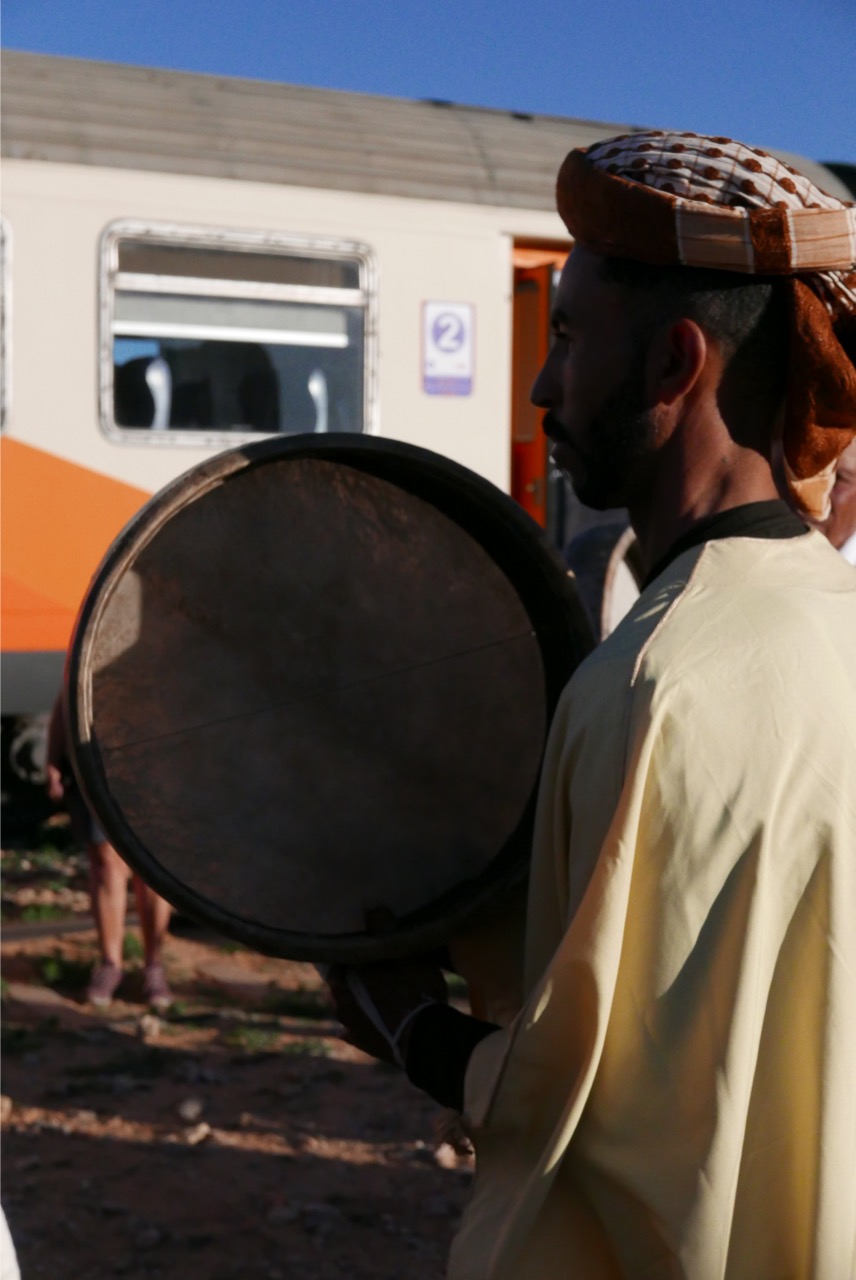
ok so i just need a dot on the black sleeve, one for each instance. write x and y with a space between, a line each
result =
440 1045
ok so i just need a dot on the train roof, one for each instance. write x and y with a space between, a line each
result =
75 111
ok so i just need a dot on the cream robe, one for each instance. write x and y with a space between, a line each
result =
678 1096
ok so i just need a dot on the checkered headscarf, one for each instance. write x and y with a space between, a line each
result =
682 199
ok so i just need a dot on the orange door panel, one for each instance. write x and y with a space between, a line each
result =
533 286
58 519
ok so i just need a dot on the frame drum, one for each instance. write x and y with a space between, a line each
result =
309 689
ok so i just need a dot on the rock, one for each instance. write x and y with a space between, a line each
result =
280 1214
149 1027
450 1130
328 1075
187 1071
96 1035
148 1237
365 1216
198 1240
319 1219
446 1156
288 1091
197 1134
191 1109
439 1207
120 1084
422 1154
190 1071
213 1075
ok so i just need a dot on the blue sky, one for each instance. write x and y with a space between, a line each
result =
780 73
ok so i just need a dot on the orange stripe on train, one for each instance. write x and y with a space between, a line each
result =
57 521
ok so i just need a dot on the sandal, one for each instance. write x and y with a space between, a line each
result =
156 990
102 984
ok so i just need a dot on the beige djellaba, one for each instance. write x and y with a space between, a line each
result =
678 1096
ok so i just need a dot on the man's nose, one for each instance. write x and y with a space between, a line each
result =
541 394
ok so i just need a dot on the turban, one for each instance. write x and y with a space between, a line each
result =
682 199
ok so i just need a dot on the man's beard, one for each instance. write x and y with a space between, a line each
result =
618 445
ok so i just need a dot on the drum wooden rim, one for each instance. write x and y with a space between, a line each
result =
515 543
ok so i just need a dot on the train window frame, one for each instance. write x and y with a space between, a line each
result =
5 321
192 237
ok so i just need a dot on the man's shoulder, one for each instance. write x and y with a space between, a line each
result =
727 599
743 583
752 606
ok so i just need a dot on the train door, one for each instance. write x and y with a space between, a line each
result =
535 484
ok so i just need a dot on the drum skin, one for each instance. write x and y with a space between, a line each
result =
309 690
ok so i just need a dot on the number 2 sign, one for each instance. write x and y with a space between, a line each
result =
447 329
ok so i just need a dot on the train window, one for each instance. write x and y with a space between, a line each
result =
5 317
207 334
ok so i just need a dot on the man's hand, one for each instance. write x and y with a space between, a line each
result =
376 1002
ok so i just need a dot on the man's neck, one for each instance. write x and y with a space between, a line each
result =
683 494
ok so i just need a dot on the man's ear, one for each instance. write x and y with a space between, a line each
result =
676 360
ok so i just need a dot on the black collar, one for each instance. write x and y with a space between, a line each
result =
770 519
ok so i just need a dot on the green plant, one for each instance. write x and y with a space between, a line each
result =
311 1047
251 1039
42 911
299 1004
132 947
51 969
57 971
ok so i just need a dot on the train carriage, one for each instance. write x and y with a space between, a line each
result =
190 262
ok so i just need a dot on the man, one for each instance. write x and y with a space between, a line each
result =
676 1097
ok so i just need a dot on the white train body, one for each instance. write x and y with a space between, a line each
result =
230 258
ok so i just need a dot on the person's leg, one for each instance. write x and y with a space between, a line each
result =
154 914
108 887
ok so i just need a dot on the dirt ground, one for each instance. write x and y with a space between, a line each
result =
233 1138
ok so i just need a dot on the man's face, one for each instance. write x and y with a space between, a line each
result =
593 387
